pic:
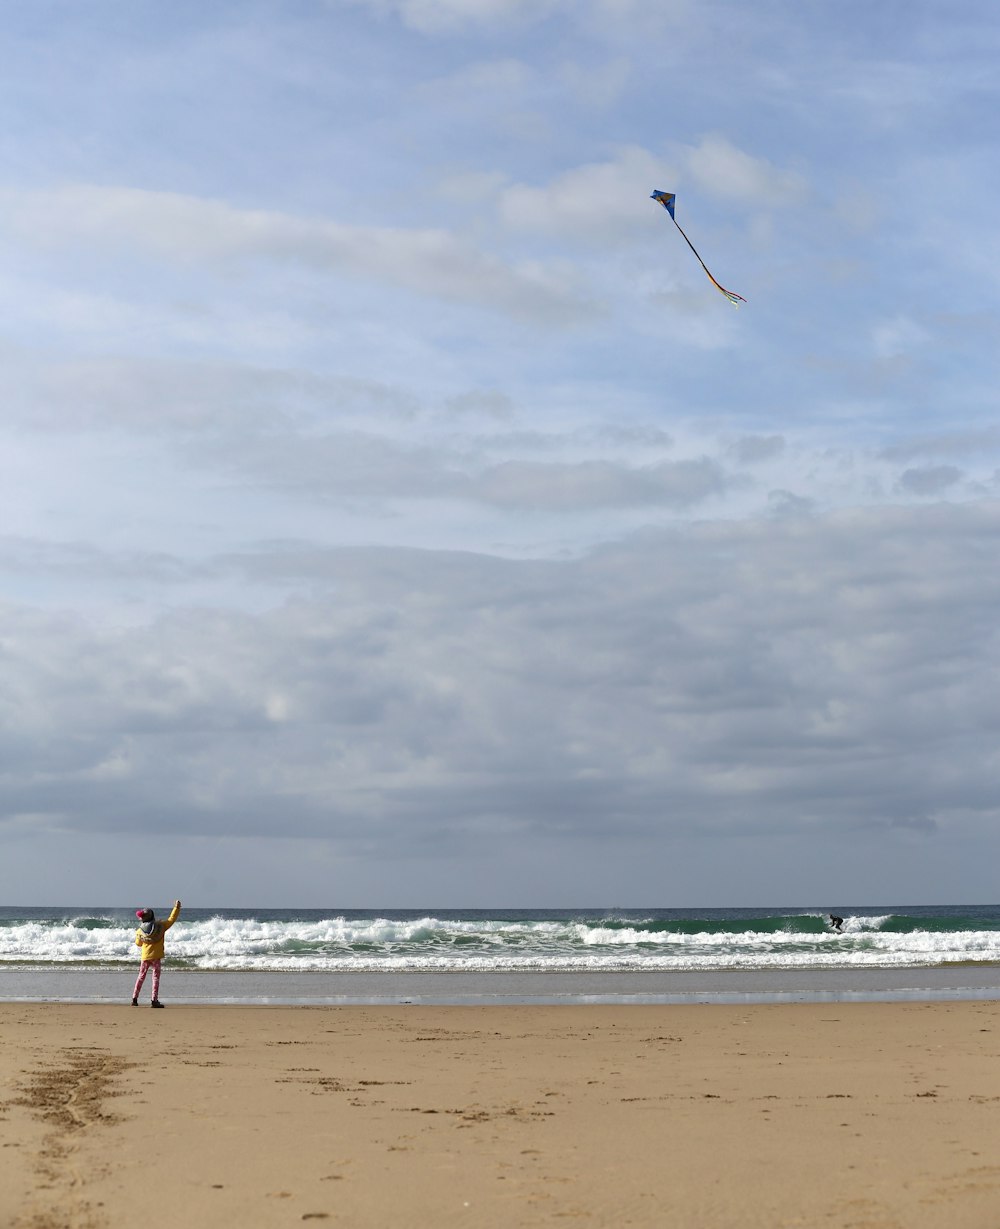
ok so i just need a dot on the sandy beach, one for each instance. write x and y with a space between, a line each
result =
869 1115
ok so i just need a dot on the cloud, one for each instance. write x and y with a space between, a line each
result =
735 678
188 396
211 233
436 17
899 337
721 168
490 403
352 465
597 86
448 16
81 561
336 466
753 449
601 484
930 479
472 187
783 505
505 77
961 443
600 201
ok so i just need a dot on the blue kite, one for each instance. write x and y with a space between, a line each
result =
666 199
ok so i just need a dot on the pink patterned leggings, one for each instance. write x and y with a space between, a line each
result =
143 970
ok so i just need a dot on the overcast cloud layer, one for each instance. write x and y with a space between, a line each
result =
392 513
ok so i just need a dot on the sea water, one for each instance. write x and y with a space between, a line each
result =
520 955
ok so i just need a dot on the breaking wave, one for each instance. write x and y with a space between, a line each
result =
512 941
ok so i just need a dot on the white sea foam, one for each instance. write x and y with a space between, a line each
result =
383 944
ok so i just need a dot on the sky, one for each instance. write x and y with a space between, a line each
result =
393 514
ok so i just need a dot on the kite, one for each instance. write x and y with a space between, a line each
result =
666 199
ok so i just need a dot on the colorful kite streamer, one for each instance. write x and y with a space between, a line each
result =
666 199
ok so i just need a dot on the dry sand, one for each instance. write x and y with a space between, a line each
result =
867 1115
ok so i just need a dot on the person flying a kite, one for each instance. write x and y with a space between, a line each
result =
666 199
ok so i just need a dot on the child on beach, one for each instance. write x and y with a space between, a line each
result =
149 937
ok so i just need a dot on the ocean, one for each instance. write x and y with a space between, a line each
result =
510 955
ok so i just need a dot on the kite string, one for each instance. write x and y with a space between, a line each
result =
731 295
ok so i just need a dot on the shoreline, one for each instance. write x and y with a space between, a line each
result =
73 984
667 1117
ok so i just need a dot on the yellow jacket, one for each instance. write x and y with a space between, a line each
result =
152 948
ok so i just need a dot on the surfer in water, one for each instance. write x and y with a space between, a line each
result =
837 923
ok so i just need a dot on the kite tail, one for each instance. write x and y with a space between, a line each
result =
731 295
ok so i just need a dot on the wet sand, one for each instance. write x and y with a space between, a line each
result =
871 1115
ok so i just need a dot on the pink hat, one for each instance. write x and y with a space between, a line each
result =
143 914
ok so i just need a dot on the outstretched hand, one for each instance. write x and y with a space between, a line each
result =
177 904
